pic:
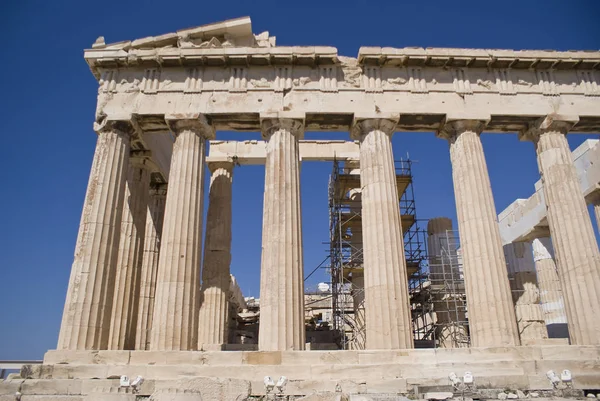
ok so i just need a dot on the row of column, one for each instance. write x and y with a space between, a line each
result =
108 291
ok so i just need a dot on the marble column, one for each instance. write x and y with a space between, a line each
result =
575 246
551 299
597 211
526 295
387 311
281 275
154 222
86 318
214 299
446 285
176 302
492 319
129 261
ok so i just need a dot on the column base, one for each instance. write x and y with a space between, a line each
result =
386 371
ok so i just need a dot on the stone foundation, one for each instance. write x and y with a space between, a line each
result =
229 375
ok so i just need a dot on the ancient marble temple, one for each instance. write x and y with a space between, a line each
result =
143 281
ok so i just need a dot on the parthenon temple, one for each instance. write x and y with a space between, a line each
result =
504 297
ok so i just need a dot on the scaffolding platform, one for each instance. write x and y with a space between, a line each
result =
346 255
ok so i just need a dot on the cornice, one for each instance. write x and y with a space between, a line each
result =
479 58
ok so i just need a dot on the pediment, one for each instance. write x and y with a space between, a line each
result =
226 34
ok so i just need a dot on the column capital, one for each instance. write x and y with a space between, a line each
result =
550 123
273 122
384 122
124 125
195 122
214 166
453 126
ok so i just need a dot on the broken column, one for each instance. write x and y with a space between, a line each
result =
282 270
526 295
491 313
575 246
214 299
131 248
387 311
153 232
86 317
175 320
551 298
447 286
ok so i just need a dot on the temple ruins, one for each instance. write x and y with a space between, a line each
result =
495 302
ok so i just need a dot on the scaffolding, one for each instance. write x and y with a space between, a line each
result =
445 291
346 252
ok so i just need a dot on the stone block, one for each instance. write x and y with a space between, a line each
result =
89 386
325 396
228 358
209 388
176 394
79 372
52 398
262 358
300 358
104 357
361 397
52 387
37 371
570 352
148 358
438 395
377 357
390 386
111 393
10 387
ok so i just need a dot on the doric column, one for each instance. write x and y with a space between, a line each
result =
175 320
131 248
489 302
387 312
281 274
447 287
86 318
213 325
575 246
551 299
154 222
597 211
526 295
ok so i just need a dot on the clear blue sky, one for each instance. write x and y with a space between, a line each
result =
49 95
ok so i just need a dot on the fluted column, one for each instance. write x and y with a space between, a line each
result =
446 285
281 274
387 312
86 318
551 298
575 246
491 314
214 299
154 222
526 295
129 261
597 211
175 320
